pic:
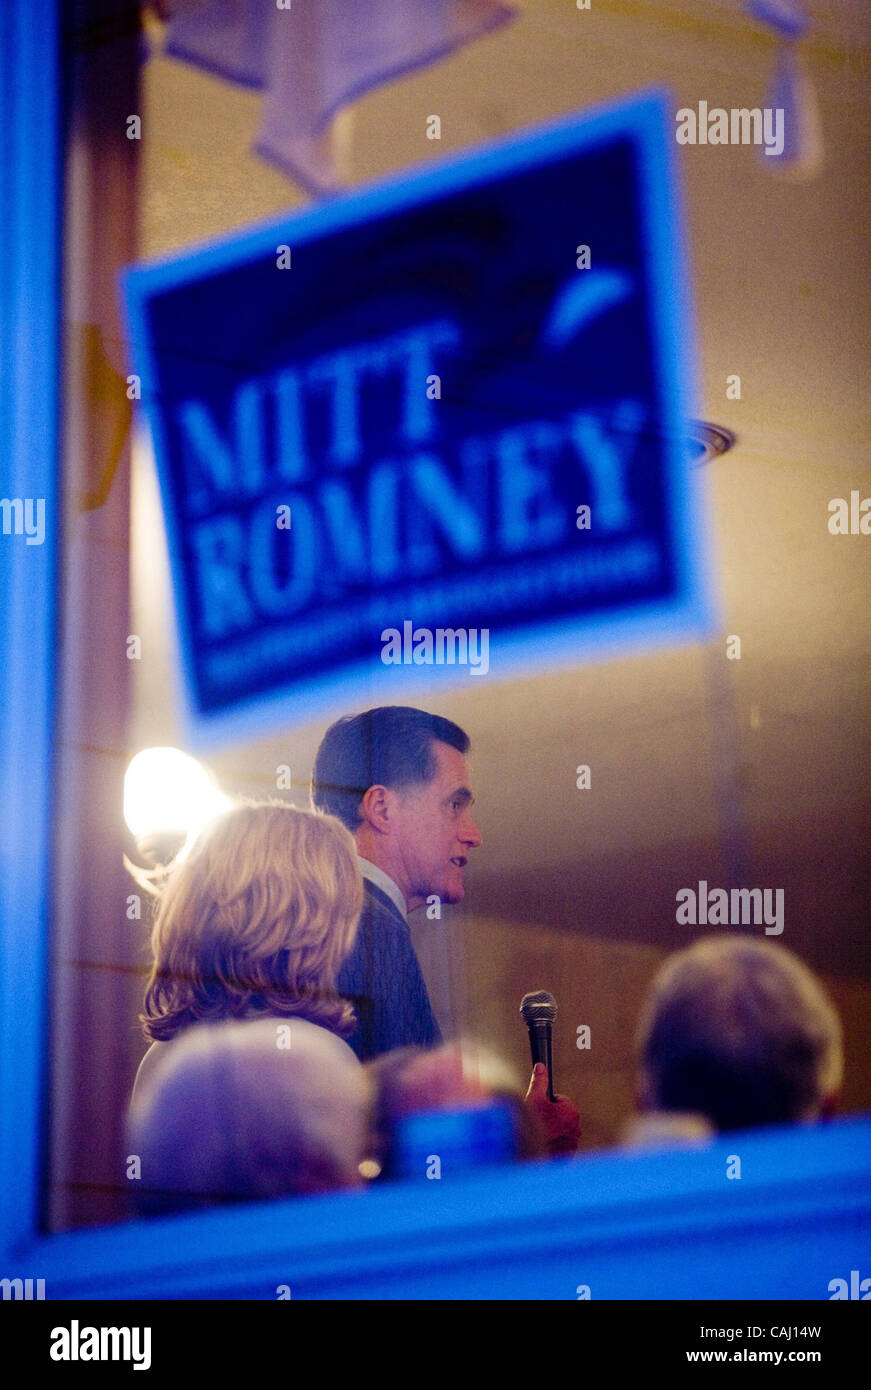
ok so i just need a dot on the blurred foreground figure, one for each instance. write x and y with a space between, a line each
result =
462 1106
735 1033
249 1111
256 920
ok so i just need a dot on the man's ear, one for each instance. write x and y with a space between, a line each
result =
375 809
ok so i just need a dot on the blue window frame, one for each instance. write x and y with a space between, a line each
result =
30 199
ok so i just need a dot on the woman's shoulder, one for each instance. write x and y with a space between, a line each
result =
145 1069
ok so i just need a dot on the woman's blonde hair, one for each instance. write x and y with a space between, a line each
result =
257 919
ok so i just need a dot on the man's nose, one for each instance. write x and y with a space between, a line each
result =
471 835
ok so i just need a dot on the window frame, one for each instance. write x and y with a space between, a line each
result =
536 1230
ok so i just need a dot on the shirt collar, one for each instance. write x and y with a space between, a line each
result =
384 882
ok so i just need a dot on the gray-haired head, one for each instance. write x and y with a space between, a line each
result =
740 1031
249 1110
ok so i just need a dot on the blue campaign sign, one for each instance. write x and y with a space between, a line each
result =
436 427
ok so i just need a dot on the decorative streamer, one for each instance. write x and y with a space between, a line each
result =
312 57
791 90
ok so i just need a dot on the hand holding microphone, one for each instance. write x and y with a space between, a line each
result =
538 1011
558 1117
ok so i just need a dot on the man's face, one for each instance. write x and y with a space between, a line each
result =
435 830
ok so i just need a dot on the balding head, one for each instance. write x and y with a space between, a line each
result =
741 1032
233 1113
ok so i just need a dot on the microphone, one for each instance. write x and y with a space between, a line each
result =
538 1011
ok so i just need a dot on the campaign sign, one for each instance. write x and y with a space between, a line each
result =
433 430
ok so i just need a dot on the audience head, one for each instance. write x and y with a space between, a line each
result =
739 1031
248 1111
456 1079
257 919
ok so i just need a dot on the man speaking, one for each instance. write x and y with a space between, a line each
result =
397 778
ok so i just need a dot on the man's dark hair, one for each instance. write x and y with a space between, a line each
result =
391 746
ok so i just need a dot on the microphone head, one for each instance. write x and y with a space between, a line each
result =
538 1007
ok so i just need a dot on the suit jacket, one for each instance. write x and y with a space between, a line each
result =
383 980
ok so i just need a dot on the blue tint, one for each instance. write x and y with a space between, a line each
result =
457 1139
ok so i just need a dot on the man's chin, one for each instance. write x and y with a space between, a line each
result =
454 893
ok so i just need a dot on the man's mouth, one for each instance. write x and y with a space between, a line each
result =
459 861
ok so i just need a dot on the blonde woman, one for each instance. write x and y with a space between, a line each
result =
255 921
